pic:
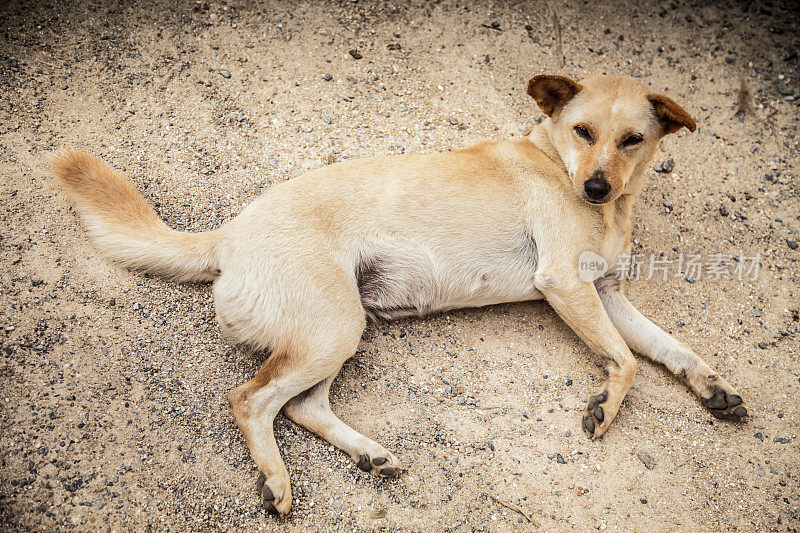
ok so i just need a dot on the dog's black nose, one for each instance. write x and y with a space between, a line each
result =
596 188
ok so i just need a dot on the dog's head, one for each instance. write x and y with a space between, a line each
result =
606 129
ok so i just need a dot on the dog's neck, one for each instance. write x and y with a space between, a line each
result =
541 139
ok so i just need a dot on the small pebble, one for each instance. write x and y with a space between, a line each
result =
666 167
647 459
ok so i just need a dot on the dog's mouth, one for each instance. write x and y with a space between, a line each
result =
597 202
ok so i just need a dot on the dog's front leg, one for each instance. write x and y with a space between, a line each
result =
646 338
579 305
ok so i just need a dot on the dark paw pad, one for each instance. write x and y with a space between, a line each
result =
267 497
389 471
596 400
736 414
734 400
724 406
716 400
594 415
719 414
363 462
588 425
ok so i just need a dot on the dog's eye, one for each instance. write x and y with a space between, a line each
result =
583 132
632 140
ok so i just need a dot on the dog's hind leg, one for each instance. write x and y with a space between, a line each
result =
644 337
254 405
312 410
298 362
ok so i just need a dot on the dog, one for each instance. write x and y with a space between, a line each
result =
303 267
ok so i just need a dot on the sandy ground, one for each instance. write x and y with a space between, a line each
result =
113 386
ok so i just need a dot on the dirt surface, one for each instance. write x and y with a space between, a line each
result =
113 386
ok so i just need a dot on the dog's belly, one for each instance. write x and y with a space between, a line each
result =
402 278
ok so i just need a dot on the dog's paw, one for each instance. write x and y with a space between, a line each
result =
717 395
725 405
275 493
383 464
595 418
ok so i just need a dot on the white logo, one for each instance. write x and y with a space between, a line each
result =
591 266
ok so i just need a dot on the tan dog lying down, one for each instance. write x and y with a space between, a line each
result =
301 268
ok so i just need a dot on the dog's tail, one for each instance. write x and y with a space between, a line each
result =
129 231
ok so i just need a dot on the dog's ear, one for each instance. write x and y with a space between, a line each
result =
552 92
671 116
